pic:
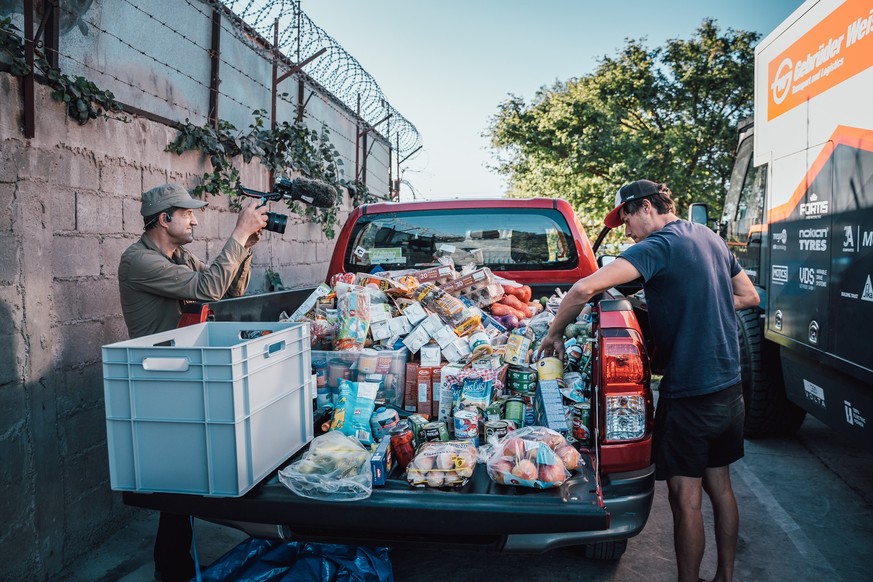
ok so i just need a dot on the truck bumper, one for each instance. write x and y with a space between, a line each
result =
628 499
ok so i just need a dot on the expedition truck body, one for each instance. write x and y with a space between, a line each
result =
799 217
537 242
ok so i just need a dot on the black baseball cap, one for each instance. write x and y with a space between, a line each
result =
628 192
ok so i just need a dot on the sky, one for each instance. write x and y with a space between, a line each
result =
447 65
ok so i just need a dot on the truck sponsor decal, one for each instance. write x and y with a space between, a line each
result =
814 393
837 48
810 278
780 274
813 239
853 416
867 294
780 240
815 208
855 238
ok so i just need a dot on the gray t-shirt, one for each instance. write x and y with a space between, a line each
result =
687 271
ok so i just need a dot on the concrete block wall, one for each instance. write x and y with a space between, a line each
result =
69 206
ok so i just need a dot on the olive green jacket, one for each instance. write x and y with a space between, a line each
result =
154 287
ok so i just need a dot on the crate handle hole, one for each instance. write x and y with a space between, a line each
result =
273 348
165 364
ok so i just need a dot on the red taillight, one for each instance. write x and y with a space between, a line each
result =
623 362
626 399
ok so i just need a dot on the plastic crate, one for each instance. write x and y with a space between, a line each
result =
202 410
389 370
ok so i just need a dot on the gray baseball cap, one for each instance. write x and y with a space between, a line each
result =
167 196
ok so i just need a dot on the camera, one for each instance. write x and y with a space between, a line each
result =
276 222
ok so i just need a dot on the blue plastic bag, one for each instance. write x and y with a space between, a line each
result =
263 560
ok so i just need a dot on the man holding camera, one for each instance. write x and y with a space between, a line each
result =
156 276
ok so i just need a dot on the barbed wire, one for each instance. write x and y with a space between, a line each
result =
336 70
174 103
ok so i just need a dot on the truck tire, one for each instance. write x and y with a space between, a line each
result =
768 410
606 550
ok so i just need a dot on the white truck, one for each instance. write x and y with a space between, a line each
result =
799 216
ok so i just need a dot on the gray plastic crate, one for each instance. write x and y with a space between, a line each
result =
202 410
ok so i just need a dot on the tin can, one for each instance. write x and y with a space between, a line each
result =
435 431
498 428
382 421
550 369
521 374
581 421
480 344
514 410
467 426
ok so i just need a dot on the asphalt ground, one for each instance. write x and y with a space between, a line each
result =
806 513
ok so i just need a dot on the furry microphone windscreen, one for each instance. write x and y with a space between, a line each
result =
313 192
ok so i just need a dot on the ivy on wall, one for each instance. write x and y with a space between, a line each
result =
289 148
84 100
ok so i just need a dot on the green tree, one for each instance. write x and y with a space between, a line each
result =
666 114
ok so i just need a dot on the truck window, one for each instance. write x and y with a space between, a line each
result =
750 207
743 209
501 239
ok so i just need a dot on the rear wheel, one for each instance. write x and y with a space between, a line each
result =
768 410
606 550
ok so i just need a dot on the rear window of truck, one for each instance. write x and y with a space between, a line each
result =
503 239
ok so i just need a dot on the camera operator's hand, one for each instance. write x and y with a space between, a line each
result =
249 223
253 240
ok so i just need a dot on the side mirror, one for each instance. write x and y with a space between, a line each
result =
699 213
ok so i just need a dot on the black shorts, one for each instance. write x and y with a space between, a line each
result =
695 433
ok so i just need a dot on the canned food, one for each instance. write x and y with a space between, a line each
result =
522 374
550 369
435 431
498 428
467 426
480 344
382 421
514 410
581 422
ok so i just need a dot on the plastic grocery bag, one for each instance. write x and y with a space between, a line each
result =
442 464
533 456
335 468
262 560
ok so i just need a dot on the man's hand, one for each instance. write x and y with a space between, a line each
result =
249 222
551 346
253 240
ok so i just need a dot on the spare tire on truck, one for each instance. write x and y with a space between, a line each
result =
768 410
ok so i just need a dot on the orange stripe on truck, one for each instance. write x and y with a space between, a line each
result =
857 138
837 48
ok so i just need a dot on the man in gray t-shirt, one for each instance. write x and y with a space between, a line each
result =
693 286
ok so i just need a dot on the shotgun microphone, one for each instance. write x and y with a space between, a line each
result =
313 192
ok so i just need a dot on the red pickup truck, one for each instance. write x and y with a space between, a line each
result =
538 242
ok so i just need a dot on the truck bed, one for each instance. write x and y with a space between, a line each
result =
481 512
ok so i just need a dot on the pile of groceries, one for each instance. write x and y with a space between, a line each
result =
428 372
